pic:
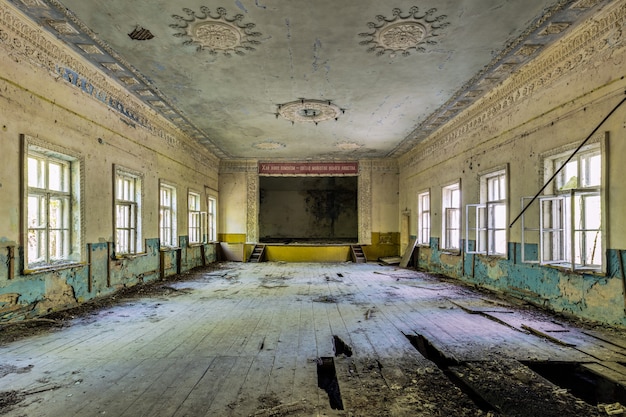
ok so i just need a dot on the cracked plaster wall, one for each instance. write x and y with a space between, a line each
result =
39 102
554 101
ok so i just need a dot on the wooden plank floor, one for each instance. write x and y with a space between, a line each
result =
247 340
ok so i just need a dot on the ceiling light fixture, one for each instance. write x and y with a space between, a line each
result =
309 110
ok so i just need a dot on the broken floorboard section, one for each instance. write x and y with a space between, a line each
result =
514 390
405 386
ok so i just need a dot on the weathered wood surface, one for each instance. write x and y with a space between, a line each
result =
245 341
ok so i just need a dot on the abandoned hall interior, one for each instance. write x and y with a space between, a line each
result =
333 208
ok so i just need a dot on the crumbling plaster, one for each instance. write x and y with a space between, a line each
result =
554 101
42 99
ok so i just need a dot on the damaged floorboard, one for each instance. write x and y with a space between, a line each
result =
277 339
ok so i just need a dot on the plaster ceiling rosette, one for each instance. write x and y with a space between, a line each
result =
307 110
403 33
269 145
216 33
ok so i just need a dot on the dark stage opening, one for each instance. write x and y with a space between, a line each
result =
308 210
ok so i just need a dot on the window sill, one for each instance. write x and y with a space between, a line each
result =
578 270
52 268
130 256
451 252
168 248
488 256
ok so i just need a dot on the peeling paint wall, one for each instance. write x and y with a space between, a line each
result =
553 102
43 105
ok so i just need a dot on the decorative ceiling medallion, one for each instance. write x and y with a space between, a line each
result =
348 146
269 145
305 110
403 33
216 33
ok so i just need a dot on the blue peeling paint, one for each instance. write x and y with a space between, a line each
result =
32 295
598 297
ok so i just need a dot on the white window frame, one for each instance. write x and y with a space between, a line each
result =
51 240
196 219
211 219
127 211
486 223
168 215
423 218
561 242
451 213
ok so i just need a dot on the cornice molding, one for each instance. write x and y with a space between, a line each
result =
22 39
381 165
579 48
233 166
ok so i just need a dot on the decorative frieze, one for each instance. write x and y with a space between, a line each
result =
252 211
20 37
581 47
365 202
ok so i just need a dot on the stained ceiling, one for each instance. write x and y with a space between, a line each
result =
300 79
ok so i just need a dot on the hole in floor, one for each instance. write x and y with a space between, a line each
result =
327 380
443 362
582 383
430 352
341 348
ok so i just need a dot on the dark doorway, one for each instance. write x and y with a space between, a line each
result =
308 210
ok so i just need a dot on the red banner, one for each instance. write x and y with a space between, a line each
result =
309 168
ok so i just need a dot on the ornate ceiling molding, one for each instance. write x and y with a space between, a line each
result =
552 25
309 110
348 146
56 19
22 38
404 33
580 48
216 33
269 145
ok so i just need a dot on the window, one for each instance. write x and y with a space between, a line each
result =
127 212
195 219
53 208
423 218
451 221
486 223
569 222
212 219
167 215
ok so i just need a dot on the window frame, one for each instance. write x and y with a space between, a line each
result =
172 209
134 207
448 210
481 220
567 198
424 225
211 220
70 193
195 219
